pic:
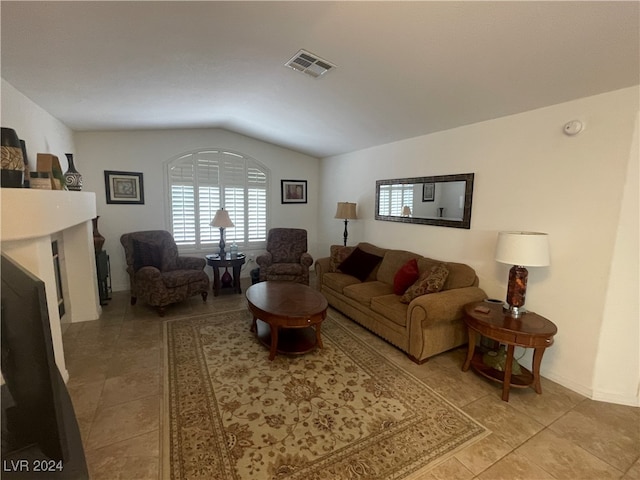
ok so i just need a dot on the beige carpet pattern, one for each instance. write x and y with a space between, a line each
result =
341 412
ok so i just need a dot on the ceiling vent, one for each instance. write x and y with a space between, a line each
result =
310 64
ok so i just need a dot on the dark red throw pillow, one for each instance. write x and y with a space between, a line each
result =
359 264
406 276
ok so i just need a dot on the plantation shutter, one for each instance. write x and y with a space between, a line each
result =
393 198
205 181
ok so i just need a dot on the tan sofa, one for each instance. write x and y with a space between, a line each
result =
428 325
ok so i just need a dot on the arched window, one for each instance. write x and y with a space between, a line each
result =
201 182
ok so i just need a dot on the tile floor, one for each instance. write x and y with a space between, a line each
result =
115 367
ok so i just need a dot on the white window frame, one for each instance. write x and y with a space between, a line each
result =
210 172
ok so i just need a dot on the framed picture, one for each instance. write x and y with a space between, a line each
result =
294 191
124 187
428 192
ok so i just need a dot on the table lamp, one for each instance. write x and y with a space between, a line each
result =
406 211
222 221
521 249
346 211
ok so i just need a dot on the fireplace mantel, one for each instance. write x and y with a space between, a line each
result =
31 219
32 213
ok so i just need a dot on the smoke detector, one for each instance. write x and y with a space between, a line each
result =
310 64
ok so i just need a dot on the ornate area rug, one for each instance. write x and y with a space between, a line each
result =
341 412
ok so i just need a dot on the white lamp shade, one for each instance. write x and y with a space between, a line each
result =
406 211
527 249
222 219
346 211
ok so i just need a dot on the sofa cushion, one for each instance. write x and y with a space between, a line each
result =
146 254
460 276
406 276
178 278
366 291
429 282
392 262
338 255
391 307
337 281
359 264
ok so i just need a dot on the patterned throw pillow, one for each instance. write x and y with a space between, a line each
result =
430 281
406 276
338 255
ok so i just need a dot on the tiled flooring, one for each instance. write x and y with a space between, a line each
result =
115 367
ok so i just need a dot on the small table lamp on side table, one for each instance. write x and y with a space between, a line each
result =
521 249
222 221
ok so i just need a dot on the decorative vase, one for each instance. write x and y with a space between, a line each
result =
12 172
72 178
98 239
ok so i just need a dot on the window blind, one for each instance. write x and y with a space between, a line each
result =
203 182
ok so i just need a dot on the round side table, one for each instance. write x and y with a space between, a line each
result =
530 330
234 262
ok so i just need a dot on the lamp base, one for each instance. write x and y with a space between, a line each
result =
513 311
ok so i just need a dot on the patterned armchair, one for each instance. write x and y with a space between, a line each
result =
286 258
158 275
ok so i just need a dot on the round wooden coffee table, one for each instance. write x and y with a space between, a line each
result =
287 316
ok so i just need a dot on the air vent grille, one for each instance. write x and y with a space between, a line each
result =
310 64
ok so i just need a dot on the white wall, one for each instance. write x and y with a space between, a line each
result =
41 132
619 340
147 152
529 175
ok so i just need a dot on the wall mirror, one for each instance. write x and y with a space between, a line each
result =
443 200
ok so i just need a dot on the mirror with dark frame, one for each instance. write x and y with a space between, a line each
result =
443 200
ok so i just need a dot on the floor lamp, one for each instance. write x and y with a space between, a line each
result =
346 211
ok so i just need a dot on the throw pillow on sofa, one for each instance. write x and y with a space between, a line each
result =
430 281
359 264
406 276
338 255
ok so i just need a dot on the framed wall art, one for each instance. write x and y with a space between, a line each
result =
124 187
293 191
428 192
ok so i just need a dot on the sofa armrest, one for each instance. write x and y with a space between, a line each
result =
443 306
322 266
264 260
190 263
306 259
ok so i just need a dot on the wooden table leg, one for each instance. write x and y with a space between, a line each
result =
537 360
274 342
236 279
216 281
470 350
254 327
506 385
318 339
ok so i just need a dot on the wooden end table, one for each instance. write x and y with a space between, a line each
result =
286 316
235 263
530 330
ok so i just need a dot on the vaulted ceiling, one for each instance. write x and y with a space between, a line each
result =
403 69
